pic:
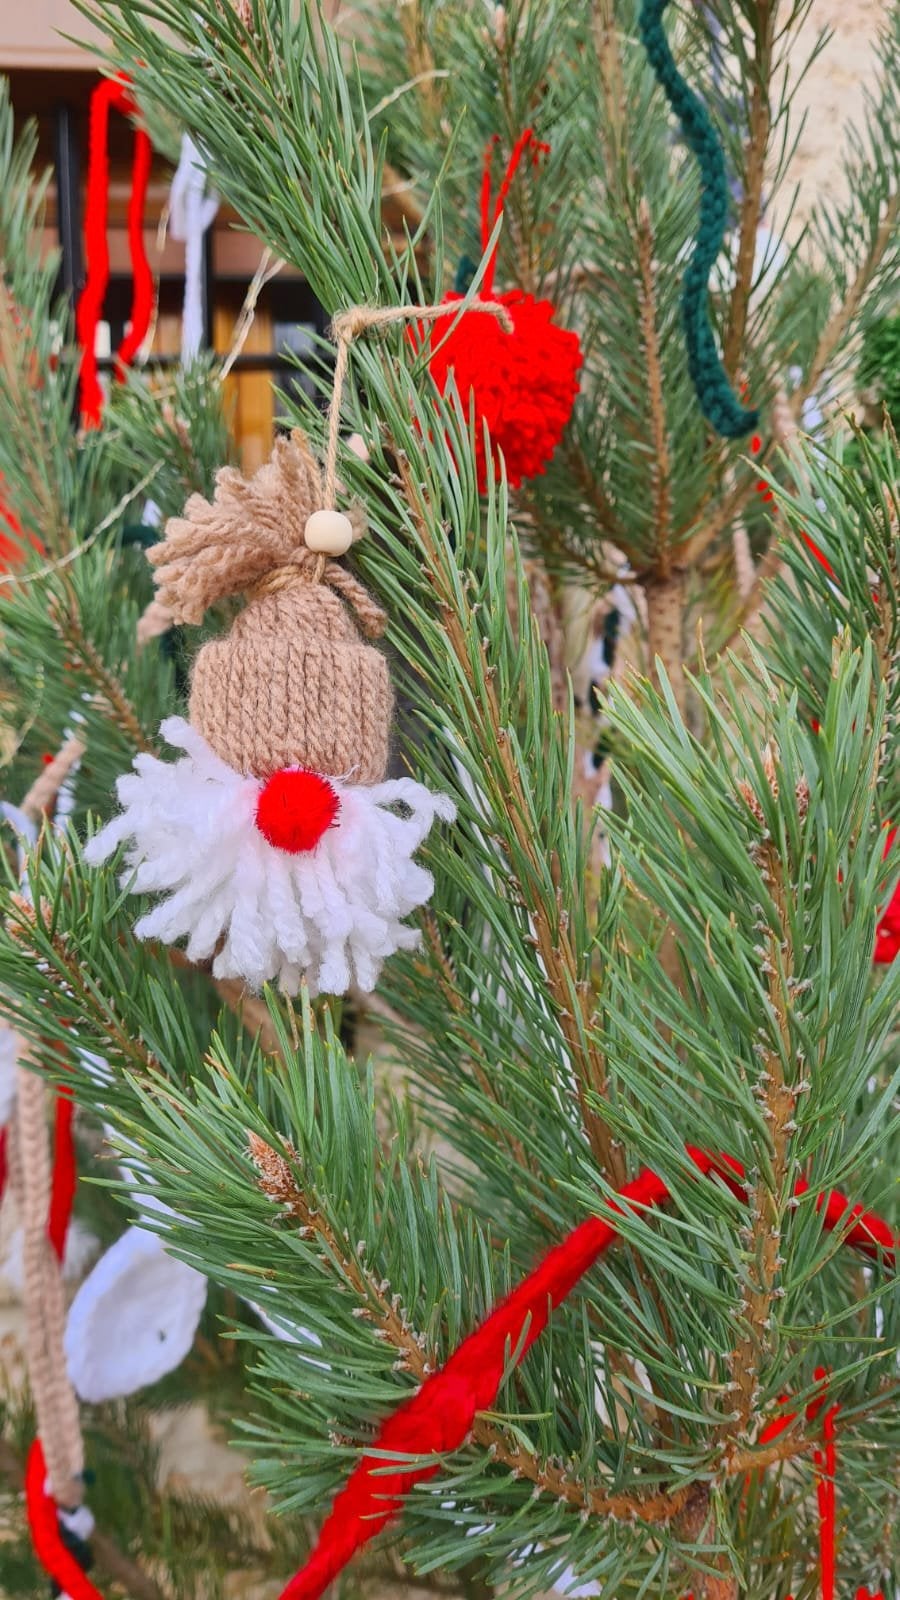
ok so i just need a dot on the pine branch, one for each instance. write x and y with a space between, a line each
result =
67 622
251 1011
594 493
698 1525
27 928
391 1323
660 472
694 545
779 1102
838 324
569 993
760 123
441 969
794 1442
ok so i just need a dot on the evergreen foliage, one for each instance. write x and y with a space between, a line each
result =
552 1033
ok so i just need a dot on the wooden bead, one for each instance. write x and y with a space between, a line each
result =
329 533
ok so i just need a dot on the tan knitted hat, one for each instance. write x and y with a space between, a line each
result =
292 683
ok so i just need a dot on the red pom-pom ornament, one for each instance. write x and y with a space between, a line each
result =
520 385
295 808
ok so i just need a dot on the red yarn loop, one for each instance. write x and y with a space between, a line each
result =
112 93
488 221
57 1561
295 808
520 386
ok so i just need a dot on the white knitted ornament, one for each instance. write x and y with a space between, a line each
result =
133 1319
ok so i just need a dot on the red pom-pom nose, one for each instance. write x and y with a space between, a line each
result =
295 808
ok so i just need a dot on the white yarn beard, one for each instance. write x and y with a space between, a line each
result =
331 915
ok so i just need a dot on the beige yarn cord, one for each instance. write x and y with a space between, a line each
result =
55 1403
348 326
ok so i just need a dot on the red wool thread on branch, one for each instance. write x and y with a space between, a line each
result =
825 1458
111 94
438 1418
522 385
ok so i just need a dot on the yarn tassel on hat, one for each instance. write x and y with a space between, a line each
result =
274 839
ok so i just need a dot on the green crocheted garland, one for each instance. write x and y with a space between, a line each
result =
717 400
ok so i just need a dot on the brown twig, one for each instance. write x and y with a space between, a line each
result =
794 1442
45 789
661 470
665 598
697 1525
609 62
759 128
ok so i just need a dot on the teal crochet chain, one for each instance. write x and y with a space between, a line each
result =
717 400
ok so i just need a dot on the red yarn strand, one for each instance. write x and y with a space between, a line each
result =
142 275
3 1167
439 1416
488 222
58 1562
486 169
62 1193
819 554
825 1459
111 94
90 304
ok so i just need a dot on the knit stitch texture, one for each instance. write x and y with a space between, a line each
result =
292 683
717 400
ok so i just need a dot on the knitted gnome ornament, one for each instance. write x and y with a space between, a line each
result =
274 838
521 384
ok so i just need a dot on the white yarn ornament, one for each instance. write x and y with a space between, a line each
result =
332 914
133 1319
192 210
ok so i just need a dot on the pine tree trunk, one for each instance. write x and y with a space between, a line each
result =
665 622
